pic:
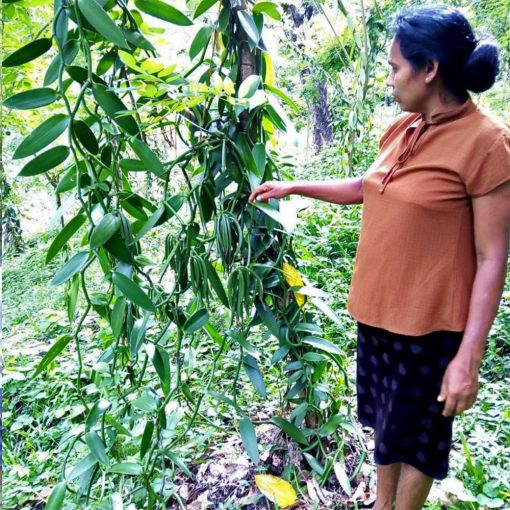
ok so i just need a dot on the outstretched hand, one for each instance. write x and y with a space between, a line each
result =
270 189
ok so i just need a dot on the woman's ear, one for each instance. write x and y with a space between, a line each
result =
431 70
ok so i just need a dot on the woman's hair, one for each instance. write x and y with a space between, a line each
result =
444 34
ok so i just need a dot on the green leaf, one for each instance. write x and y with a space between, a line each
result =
287 221
342 477
249 438
72 297
146 438
283 96
33 98
138 334
323 345
29 52
200 41
259 155
203 6
117 317
133 165
280 354
249 26
63 236
85 136
56 497
249 86
59 345
99 19
61 23
269 8
74 265
196 321
127 468
178 462
161 363
252 369
45 161
215 282
147 156
112 105
290 429
150 223
314 463
133 292
137 39
42 136
99 408
104 230
97 447
146 403
83 466
267 316
163 11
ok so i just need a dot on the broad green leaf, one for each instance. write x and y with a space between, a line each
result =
287 219
252 369
137 39
314 463
249 438
29 52
74 265
308 327
97 447
61 23
249 26
138 334
33 98
161 363
85 136
249 86
243 342
133 292
104 230
105 63
127 468
269 8
97 411
196 321
215 282
147 156
203 6
290 429
117 247
146 438
112 105
83 466
150 223
268 318
146 403
323 345
117 317
326 309
57 496
283 96
276 490
163 11
45 161
42 136
99 19
280 354
259 155
178 462
226 400
200 41
64 235
59 345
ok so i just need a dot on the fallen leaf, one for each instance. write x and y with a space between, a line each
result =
276 490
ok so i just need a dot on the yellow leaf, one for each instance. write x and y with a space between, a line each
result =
293 278
269 69
228 85
276 490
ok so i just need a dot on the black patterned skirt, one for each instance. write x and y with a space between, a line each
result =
398 381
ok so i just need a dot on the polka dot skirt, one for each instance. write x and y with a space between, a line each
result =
398 382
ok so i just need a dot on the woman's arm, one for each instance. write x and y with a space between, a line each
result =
491 216
345 191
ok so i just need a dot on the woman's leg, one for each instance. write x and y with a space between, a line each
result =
413 488
387 480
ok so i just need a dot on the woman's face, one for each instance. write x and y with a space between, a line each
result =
410 88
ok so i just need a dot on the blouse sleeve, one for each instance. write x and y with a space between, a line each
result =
493 170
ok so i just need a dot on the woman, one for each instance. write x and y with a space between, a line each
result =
431 259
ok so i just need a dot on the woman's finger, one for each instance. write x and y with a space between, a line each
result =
449 406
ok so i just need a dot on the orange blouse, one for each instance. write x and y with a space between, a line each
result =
416 260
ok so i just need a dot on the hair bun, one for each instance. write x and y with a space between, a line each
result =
482 66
